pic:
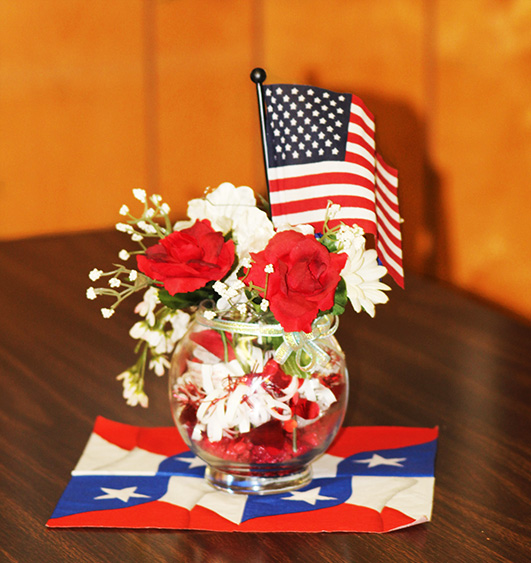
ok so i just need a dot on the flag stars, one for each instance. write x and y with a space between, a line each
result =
304 123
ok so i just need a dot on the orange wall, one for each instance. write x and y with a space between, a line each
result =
99 97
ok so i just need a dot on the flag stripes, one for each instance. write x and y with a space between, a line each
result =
388 236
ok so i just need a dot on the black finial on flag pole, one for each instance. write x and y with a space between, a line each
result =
258 76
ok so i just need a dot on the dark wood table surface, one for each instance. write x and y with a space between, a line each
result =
431 357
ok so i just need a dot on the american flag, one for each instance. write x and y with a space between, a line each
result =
372 479
321 148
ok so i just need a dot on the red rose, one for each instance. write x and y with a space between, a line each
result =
187 260
304 278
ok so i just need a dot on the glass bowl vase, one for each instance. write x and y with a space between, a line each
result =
255 403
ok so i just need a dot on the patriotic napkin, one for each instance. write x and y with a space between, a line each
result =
372 479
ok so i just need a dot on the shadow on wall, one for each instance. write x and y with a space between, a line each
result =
401 138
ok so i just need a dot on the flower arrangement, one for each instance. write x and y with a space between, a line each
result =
229 252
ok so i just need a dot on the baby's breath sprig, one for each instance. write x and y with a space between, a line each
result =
123 281
341 237
147 225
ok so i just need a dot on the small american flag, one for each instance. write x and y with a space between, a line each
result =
320 148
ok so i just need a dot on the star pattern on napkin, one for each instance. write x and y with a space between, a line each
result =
311 496
377 459
192 462
121 494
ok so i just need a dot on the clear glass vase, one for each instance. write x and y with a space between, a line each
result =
258 405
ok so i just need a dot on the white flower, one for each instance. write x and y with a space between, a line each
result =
332 210
123 255
209 315
139 330
351 237
140 194
150 212
146 227
247 262
232 294
91 293
179 321
362 277
147 306
124 228
156 198
115 282
269 269
107 313
234 209
264 305
95 274
303 229
220 288
159 364
136 237
133 274
124 210
165 208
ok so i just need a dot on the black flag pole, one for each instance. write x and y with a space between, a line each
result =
258 76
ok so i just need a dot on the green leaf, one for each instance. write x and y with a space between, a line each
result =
340 299
186 300
331 245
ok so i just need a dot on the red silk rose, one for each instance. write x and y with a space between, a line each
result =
187 260
304 278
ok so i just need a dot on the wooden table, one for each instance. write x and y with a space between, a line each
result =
430 357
